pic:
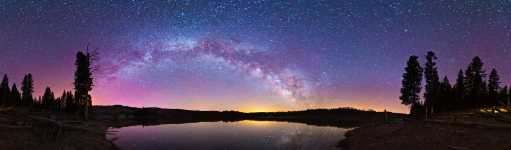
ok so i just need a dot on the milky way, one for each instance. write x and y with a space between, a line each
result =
235 55
249 55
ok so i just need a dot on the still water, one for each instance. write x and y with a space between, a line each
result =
243 135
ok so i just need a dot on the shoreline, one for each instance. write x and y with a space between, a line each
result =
25 128
341 117
451 131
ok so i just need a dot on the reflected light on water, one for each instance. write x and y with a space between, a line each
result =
245 134
256 123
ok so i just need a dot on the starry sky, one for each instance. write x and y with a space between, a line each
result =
257 55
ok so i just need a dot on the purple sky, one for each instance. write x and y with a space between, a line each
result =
249 55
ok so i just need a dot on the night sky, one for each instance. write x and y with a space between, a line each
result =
254 55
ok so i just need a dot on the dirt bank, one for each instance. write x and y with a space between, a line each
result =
25 129
454 131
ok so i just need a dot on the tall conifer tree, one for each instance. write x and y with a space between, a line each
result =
5 91
493 88
27 89
474 82
503 97
509 97
411 84
15 95
432 83
71 103
444 100
83 82
459 91
48 98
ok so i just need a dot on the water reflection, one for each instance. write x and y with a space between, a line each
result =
229 135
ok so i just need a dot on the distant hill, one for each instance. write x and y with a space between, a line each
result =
341 117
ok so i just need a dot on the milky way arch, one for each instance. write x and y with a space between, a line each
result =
250 60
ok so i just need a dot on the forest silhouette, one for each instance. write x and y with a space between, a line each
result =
472 89
78 103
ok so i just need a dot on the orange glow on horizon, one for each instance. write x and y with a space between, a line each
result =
258 109
255 107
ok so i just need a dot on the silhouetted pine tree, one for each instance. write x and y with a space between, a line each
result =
411 85
15 95
67 101
417 110
444 101
474 83
71 103
483 101
27 89
493 89
57 104
5 91
48 98
38 102
62 100
459 91
503 97
509 97
83 82
432 83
